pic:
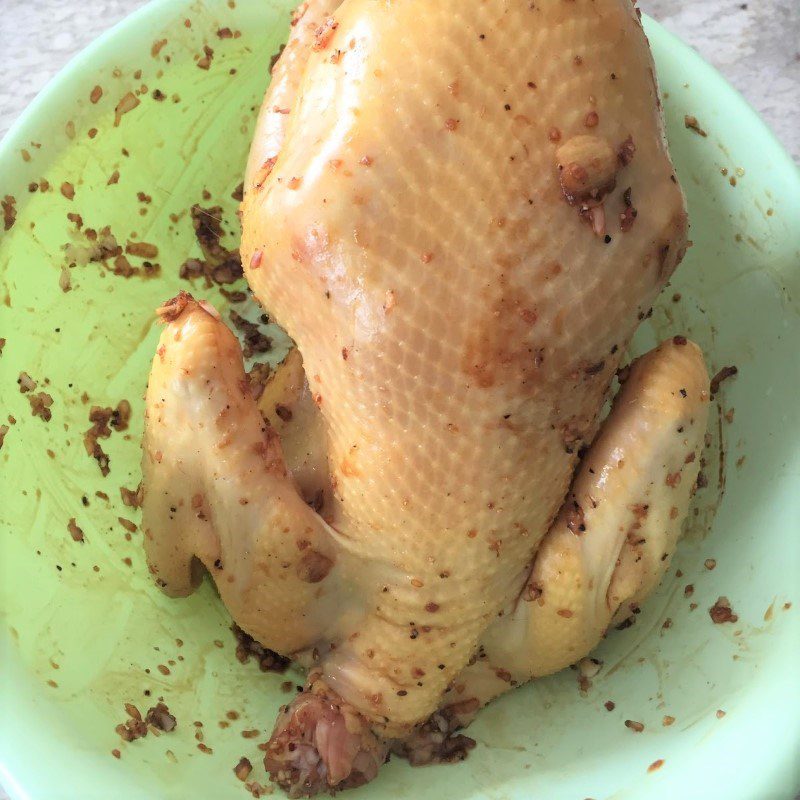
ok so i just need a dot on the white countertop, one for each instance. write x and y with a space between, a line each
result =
755 45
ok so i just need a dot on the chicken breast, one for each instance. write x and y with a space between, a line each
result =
460 212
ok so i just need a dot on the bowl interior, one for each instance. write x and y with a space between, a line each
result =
84 630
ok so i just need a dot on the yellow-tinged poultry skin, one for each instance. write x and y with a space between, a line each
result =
460 212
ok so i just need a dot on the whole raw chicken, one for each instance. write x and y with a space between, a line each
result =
460 211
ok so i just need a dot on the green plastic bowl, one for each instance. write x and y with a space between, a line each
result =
83 628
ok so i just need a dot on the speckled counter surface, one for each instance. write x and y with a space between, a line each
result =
755 45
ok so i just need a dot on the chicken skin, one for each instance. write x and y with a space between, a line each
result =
460 212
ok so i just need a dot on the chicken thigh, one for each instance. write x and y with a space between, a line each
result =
460 212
